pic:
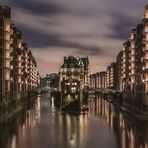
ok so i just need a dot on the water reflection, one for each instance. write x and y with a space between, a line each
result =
130 131
104 126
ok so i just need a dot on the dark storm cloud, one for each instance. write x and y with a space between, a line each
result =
37 7
122 26
40 40
82 49
91 51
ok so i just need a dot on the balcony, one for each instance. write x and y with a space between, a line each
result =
146 59
145 70
146 28
144 49
145 40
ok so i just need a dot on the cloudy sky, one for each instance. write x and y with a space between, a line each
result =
57 28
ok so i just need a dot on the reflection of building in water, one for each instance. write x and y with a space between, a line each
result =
130 131
13 132
74 129
74 79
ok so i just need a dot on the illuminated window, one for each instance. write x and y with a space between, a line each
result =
7 26
7 45
7 75
132 36
7 63
146 36
132 45
146 13
146 29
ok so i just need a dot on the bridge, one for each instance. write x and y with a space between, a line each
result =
46 89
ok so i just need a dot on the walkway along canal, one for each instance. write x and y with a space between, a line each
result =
105 125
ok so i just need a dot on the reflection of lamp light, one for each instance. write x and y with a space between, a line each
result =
143 80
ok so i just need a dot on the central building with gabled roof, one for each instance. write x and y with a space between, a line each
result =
74 80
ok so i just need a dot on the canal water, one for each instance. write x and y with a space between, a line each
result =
106 125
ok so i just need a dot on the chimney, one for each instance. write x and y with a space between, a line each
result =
65 60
